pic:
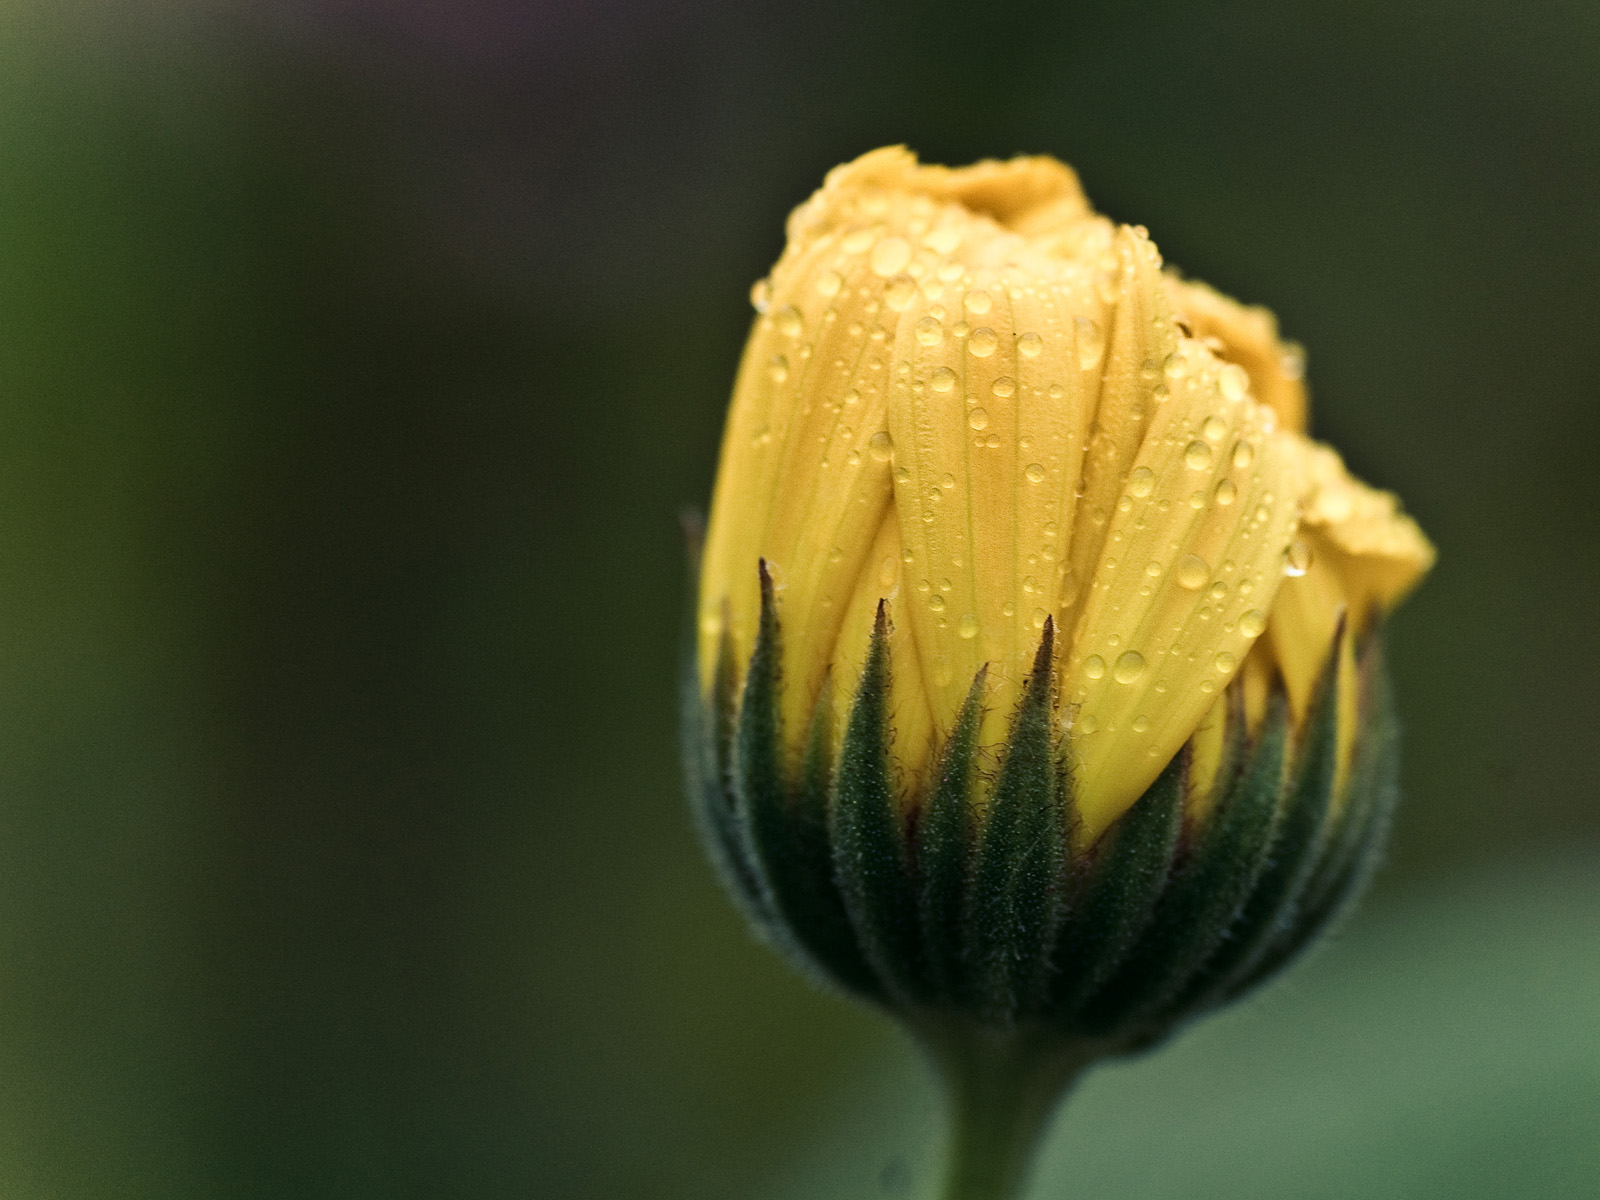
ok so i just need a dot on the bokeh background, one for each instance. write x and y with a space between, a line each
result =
355 359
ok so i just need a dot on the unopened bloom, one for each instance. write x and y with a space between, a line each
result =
1035 668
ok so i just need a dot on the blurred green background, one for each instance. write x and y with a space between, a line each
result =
354 361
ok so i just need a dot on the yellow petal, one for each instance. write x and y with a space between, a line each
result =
1246 335
909 717
1184 574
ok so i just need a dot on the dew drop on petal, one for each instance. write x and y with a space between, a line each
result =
857 240
881 446
1243 455
978 419
1034 472
1030 345
1141 482
1213 429
936 602
930 332
890 256
1297 559
1197 456
942 379
898 295
1192 572
1252 623
1141 724
1091 342
829 283
778 368
1226 492
968 628
978 302
1094 666
1225 662
789 321
1130 665
982 342
760 295
1004 387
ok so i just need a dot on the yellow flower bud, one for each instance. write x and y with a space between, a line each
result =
971 398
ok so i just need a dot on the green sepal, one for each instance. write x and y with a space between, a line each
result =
1016 901
870 852
943 840
1126 872
705 727
1294 851
1225 860
1355 846
790 843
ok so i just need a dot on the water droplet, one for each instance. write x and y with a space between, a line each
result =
1297 558
1197 456
882 446
1243 455
1192 572
1008 609
936 602
978 419
1217 590
1091 342
778 368
1034 472
1030 345
1197 500
1039 618
1141 724
789 321
829 283
890 256
1234 383
1004 387
1225 661
929 331
1226 493
900 292
760 295
1160 393
1094 666
945 585
1252 623
857 240
1292 362
1207 686
1142 482
1213 429
853 458
978 302
968 628
902 474
943 240
1129 667
942 379
982 343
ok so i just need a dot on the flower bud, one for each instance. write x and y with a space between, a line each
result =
1035 680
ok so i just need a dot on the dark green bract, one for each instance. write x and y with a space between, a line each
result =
970 906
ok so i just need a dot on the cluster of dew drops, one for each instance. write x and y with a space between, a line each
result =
893 259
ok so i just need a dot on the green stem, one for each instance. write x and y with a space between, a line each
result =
1004 1088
